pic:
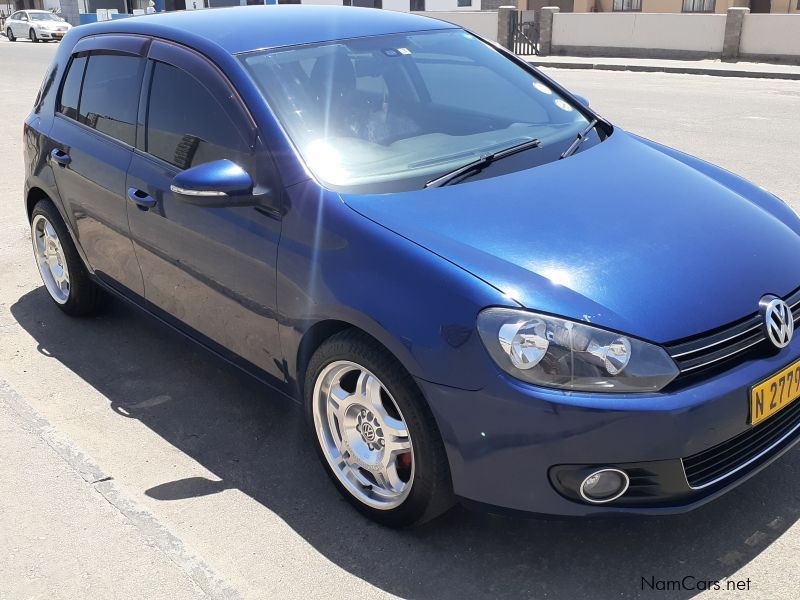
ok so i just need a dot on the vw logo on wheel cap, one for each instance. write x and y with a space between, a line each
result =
778 320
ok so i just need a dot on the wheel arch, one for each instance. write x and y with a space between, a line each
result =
318 334
35 194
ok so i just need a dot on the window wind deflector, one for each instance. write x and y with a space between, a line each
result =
478 165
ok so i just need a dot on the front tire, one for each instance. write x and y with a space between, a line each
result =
32 35
376 436
63 273
10 35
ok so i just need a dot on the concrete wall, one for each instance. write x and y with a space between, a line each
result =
484 23
770 36
638 34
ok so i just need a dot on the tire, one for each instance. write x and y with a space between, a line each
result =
82 296
426 493
33 37
10 35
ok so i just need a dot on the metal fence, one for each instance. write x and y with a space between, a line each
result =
525 32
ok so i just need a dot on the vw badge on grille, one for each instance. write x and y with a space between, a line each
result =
778 320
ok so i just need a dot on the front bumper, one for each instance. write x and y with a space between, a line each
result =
51 35
508 442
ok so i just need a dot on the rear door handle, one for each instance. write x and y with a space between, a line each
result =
60 157
142 199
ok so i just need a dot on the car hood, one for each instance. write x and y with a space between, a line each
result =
626 234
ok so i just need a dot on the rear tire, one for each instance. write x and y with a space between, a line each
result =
10 35
63 273
366 412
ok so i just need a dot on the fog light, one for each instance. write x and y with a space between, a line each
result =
604 485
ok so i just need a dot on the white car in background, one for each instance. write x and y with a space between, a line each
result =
36 25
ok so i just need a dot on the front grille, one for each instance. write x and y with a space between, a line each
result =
710 466
737 340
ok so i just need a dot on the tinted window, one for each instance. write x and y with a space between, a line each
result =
186 126
71 91
110 98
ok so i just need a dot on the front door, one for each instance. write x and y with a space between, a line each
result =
92 141
209 269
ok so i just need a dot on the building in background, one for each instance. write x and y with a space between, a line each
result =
647 6
664 6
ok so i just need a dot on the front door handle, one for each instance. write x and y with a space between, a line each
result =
60 157
142 199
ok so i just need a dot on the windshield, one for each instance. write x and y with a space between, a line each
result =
388 113
44 17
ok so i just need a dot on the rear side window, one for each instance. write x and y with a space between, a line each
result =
186 126
71 90
110 98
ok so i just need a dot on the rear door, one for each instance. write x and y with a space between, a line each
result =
210 270
19 24
92 139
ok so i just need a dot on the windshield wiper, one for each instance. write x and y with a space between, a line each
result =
478 165
579 140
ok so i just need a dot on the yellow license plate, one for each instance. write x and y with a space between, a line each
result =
775 393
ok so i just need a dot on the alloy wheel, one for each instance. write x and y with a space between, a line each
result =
50 259
363 435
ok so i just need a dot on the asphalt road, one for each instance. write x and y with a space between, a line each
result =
134 464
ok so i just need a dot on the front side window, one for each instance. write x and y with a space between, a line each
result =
186 126
391 112
71 90
698 5
110 96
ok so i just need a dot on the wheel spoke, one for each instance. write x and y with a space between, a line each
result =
50 232
369 389
398 445
388 479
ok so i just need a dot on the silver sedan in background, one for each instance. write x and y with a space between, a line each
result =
36 25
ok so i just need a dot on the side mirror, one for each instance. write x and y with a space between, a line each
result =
582 100
212 183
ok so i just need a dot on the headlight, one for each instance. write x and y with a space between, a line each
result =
569 355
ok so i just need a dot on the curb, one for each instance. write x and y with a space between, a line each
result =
668 69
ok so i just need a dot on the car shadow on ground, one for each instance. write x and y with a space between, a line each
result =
255 441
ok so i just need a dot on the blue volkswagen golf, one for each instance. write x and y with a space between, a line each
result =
478 288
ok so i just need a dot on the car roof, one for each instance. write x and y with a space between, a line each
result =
243 28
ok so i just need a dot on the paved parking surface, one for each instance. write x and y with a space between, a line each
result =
136 465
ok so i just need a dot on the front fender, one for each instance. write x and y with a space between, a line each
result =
746 189
334 264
